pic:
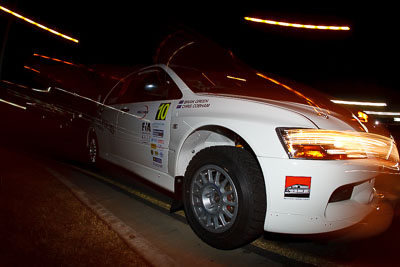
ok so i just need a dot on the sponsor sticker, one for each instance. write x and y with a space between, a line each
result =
146 127
158 141
146 132
297 187
199 103
157 133
180 104
162 111
157 153
157 162
143 112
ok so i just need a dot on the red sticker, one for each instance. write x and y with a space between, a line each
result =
297 187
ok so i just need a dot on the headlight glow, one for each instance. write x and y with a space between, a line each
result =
333 145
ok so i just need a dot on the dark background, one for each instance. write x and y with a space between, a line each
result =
360 64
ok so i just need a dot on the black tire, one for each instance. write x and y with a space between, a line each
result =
224 197
93 150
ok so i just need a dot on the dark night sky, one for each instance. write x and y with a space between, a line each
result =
122 33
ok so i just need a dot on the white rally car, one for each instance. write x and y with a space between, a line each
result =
232 143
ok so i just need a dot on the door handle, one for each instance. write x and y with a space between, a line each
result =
125 109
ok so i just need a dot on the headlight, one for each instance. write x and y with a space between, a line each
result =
327 144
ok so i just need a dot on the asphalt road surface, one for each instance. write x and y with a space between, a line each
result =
111 191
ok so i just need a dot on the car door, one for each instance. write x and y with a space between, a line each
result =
144 120
106 123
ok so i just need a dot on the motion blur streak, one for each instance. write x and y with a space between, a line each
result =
38 24
12 104
297 25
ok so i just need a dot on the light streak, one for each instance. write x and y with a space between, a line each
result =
73 64
382 113
309 101
236 78
15 84
32 69
396 119
12 104
208 79
42 90
359 103
38 24
55 59
177 50
298 25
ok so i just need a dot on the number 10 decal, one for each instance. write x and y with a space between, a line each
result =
162 111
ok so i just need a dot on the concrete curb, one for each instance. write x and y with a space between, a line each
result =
149 252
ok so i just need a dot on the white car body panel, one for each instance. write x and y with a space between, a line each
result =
108 120
315 212
183 133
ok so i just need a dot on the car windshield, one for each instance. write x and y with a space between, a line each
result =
237 81
206 67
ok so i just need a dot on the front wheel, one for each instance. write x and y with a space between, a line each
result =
224 197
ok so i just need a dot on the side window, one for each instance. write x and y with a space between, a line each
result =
148 85
117 94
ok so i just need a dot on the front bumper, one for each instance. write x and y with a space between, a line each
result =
318 211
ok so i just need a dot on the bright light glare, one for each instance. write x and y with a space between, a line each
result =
297 25
359 103
38 24
396 119
350 144
363 117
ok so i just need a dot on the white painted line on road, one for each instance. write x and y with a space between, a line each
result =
150 253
